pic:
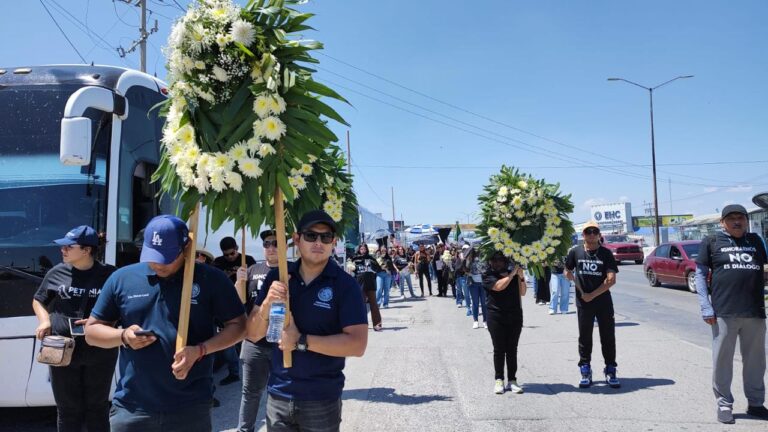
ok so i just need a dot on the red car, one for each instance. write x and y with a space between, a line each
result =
623 248
673 263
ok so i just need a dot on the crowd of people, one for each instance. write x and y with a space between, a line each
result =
135 310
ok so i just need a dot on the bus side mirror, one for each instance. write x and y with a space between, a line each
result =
75 146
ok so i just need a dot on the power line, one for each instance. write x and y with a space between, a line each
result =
366 182
551 166
62 32
581 150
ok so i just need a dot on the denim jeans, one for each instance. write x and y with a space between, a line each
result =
383 283
194 418
460 289
257 360
561 292
477 292
304 416
403 280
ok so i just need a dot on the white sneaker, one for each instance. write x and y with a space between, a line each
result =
513 387
551 312
476 325
498 387
485 324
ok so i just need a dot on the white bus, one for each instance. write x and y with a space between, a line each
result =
97 119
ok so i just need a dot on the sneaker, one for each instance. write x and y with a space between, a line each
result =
514 387
459 305
476 325
485 324
610 377
229 379
551 312
725 415
469 312
758 411
498 387
586 376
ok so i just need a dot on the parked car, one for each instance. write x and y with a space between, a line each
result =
623 248
673 263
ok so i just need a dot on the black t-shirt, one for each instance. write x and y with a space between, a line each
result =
737 274
400 262
230 267
591 269
62 290
255 284
558 267
366 268
505 302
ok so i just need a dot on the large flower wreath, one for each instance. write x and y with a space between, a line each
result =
525 219
244 117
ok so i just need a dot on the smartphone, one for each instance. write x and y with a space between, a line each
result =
76 329
144 333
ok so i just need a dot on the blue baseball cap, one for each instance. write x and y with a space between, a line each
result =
82 235
164 239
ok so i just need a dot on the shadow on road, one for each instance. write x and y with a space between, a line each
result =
628 385
626 324
393 328
400 307
24 419
389 395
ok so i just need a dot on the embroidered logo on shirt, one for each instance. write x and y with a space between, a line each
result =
195 293
324 296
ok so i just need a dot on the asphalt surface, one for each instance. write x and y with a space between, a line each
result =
430 371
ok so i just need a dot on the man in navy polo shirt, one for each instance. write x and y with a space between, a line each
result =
161 389
329 323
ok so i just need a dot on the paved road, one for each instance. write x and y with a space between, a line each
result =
430 371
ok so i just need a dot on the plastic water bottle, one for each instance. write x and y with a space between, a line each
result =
276 321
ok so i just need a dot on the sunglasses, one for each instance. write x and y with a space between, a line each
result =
233 253
591 231
311 236
269 243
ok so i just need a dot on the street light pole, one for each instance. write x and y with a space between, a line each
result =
656 220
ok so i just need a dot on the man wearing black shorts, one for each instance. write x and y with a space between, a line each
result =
594 269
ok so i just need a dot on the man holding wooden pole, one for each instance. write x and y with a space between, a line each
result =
329 323
163 388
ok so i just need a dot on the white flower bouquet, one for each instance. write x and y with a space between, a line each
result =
525 219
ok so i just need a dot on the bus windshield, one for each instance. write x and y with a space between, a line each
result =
41 199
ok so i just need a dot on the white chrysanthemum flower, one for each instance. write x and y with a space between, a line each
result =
187 176
328 207
517 257
507 251
273 128
187 63
550 250
504 236
261 105
498 246
266 149
249 167
542 256
526 251
239 151
555 242
522 184
525 223
503 191
556 220
519 214
191 154
199 64
217 179
234 180
493 233
512 225
534 259
222 162
256 74
336 216
197 38
220 74
222 40
558 232
178 33
175 153
508 243
298 182
537 246
186 135
253 145
305 170
312 158
276 104
243 32
202 184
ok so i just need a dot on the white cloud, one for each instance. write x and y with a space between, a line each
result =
593 201
740 188
624 198
711 189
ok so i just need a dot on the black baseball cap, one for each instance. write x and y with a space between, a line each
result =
82 235
315 217
733 208
266 233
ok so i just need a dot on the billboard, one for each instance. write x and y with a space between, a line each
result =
666 220
616 217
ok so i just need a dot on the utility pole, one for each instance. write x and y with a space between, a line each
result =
141 43
669 181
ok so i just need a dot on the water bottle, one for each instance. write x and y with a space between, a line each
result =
276 321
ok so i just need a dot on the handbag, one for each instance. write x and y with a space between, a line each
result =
56 351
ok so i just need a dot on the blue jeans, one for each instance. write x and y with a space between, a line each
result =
194 418
431 271
257 360
561 292
461 281
478 299
383 283
402 282
304 416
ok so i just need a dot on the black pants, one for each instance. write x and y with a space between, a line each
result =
442 285
542 286
81 390
602 309
423 270
505 334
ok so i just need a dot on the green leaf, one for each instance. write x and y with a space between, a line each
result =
316 87
282 180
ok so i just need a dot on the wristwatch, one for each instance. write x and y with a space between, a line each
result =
301 344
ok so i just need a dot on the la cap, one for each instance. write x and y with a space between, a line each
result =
733 208
82 235
590 224
315 217
164 239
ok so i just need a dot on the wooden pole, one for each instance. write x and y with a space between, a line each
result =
189 273
241 283
282 263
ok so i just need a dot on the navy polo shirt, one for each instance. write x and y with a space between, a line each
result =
136 295
329 303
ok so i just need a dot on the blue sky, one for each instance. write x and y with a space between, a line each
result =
514 82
